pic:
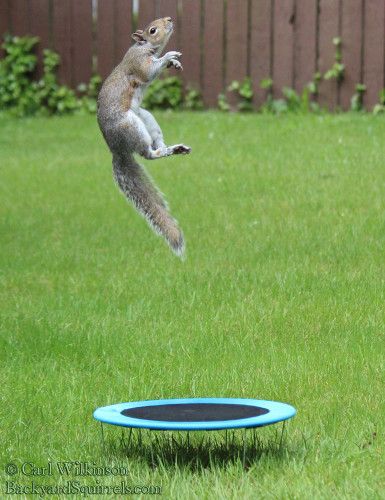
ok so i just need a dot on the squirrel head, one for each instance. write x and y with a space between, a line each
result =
156 33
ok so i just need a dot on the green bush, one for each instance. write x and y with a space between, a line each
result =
223 105
89 93
16 69
193 99
356 102
380 107
22 95
164 93
244 91
337 71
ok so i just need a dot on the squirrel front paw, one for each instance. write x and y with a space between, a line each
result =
172 54
175 63
171 59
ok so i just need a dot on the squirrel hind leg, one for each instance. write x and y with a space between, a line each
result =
161 152
140 140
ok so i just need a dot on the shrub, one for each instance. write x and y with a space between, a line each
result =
380 107
244 91
164 94
356 102
22 95
193 99
16 89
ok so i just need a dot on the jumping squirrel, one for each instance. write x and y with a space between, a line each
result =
127 128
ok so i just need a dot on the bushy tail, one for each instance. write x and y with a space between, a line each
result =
148 200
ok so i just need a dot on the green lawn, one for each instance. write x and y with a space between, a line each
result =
282 296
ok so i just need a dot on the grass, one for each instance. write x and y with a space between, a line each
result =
281 297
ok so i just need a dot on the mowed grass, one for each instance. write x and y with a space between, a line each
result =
282 297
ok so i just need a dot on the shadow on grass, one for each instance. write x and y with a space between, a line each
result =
197 450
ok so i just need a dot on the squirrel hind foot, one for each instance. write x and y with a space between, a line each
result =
181 149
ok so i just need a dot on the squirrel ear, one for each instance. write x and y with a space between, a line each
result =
138 36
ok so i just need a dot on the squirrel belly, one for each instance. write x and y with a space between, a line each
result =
128 129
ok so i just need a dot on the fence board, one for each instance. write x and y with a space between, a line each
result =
19 17
374 56
147 12
4 17
328 28
82 41
40 26
4 21
169 8
190 42
105 38
263 37
123 28
62 38
236 42
283 49
260 46
212 78
351 36
305 48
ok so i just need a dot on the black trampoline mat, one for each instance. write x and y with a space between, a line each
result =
195 412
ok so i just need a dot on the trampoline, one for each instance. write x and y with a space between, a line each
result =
197 414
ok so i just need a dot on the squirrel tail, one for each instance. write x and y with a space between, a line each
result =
148 200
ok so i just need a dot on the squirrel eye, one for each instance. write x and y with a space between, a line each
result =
153 31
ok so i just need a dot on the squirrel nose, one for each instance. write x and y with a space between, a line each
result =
168 18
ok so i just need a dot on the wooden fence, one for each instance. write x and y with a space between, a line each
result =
221 40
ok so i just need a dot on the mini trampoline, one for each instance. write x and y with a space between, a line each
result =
197 414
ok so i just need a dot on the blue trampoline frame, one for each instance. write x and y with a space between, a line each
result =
277 413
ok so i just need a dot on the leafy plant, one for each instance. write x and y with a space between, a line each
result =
193 99
337 71
163 94
382 97
278 106
16 70
53 97
89 93
266 84
244 91
223 105
356 103
23 95
293 100
380 107
313 86
268 106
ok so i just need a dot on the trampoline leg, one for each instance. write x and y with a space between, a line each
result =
244 448
129 438
188 440
102 435
152 451
282 434
226 440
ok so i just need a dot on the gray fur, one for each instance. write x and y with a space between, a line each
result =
127 128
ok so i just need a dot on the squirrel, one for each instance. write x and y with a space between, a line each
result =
127 128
